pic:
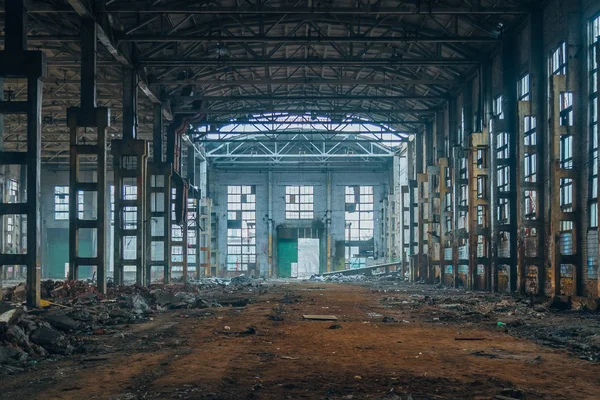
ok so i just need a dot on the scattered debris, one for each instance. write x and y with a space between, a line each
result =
320 317
73 310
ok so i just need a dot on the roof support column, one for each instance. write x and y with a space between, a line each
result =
509 108
93 221
17 62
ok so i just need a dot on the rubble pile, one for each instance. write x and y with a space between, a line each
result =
75 310
340 278
548 322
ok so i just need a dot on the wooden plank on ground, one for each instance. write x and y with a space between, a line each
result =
320 317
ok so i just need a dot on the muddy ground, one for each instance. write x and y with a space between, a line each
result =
438 344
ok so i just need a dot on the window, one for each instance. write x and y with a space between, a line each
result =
593 129
503 211
530 204
241 228
299 202
61 202
481 158
558 60
566 194
502 145
497 107
523 88
530 162
503 177
360 225
566 109
112 204
566 151
482 187
530 131
80 204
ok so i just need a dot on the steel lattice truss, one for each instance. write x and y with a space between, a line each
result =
390 61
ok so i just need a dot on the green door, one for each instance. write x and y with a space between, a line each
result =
287 253
58 253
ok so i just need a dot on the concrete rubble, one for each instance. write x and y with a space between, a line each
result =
75 310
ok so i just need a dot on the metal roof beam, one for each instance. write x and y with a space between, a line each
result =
307 39
104 35
409 9
271 62
315 97
309 81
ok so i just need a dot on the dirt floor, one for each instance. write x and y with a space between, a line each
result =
266 350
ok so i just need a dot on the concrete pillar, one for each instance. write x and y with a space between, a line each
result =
12 59
270 216
329 215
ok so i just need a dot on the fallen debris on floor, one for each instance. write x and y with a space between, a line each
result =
74 311
320 317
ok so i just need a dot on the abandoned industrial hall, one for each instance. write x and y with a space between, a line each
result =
299 199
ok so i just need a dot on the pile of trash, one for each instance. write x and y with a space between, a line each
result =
74 310
360 277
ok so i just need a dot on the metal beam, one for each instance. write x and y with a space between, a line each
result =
305 98
271 62
408 38
104 36
409 9
308 81
301 108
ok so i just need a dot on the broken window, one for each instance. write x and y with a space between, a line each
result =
299 202
530 204
593 129
241 228
497 107
61 202
558 60
566 109
359 225
523 88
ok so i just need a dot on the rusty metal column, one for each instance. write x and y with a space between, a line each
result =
158 233
538 113
509 78
461 187
129 162
17 62
78 119
434 215
421 199
130 175
479 208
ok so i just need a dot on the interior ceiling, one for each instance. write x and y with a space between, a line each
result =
387 61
